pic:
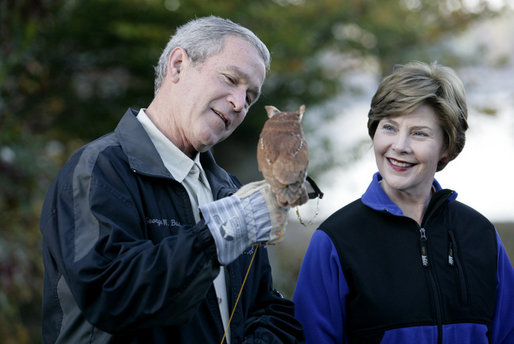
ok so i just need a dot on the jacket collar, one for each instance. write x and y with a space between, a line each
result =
376 198
142 155
144 159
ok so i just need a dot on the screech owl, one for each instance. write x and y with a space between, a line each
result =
283 157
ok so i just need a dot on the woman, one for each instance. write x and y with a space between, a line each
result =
407 262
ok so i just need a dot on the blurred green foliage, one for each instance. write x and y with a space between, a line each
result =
69 69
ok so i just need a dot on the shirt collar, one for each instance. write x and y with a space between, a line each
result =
177 163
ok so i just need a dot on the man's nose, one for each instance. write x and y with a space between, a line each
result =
238 99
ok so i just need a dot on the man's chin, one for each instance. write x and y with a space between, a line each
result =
206 145
211 139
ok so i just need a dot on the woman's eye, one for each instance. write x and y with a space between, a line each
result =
387 127
420 133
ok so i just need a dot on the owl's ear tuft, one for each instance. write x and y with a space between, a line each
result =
301 111
271 110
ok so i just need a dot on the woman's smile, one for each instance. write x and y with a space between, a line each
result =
399 165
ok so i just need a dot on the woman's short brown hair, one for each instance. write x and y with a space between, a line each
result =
415 84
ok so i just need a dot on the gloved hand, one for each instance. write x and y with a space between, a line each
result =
251 216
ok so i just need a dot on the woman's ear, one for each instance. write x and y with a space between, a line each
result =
445 155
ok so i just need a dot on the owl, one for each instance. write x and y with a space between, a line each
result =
283 157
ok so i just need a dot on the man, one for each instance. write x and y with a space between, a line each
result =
145 238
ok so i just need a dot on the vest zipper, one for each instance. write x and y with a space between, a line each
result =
423 247
438 199
454 261
451 254
435 288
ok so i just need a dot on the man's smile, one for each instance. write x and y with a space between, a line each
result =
223 118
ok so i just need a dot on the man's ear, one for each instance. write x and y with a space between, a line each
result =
177 60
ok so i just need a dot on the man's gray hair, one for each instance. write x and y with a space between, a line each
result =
203 37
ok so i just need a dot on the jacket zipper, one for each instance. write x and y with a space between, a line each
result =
424 249
454 261
425 261
438 199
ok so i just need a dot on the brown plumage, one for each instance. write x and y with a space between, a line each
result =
283 157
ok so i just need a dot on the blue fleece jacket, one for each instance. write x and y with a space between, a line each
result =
322 293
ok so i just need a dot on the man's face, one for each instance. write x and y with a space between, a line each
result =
214 96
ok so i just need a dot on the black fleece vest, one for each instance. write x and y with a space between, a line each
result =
400 274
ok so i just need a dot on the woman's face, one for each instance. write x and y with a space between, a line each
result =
407 150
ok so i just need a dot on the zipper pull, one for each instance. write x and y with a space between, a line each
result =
424 250
451 260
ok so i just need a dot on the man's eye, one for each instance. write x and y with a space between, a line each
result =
230 79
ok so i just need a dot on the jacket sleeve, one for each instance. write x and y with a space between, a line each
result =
269 316
320 294
503 322
120 279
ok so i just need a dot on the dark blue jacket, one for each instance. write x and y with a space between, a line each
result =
373 275
126 263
